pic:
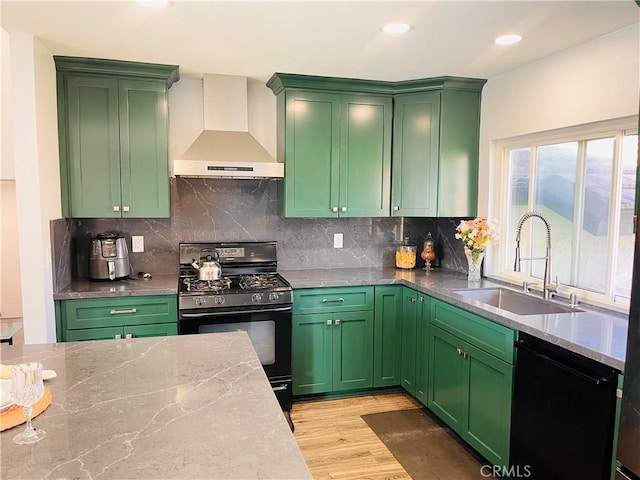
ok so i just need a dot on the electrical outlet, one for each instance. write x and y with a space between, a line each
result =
137 243
337 240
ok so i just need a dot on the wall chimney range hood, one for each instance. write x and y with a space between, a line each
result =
226 148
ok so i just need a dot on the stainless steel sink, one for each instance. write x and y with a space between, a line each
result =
514 302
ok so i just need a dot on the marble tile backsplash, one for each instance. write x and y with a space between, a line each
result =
216 210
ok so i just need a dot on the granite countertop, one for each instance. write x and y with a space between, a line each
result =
596 334
159 284
192 406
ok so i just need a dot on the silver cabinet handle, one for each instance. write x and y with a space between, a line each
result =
125 208
116 208
338 321
461 352
396 208
118 337
413 299
334 209
329 322
333 300
344 209
421 299
128 335
121 312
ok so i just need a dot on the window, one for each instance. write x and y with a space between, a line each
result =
583 181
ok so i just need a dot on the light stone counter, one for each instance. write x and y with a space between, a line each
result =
594 333
192 406
163 284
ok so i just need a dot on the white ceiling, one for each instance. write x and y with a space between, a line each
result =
338 38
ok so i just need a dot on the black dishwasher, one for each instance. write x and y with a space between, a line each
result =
563 414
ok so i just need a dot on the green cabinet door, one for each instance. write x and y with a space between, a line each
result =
155 330
458 162
83 334
471 392
93 147
312 353
387 356
415 343
143 149
422 349
365 156
488 422
409 341
352 351
416 131
312 150
449 377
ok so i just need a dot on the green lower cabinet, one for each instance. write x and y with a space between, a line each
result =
133 331
387 343
119 317
415 343
409 341
332 352
470 391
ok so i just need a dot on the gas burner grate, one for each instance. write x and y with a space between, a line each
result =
264 280
215 286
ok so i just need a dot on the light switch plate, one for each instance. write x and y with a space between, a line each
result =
137 243
337 240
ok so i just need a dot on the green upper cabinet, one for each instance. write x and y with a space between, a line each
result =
435 151
335 139
416 130
112 120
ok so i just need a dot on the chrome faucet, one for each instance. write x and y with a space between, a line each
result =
547 287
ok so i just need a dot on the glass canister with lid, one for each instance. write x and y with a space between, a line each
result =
406 254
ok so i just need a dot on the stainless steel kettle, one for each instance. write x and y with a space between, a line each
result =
109 257
209 269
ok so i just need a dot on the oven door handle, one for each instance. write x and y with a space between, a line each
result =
238 312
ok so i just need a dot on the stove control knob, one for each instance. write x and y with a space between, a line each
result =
218 300
273 296
256 297
200 300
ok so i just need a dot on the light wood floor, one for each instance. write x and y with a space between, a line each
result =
337 444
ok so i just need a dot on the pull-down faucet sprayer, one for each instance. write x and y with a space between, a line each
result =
546 285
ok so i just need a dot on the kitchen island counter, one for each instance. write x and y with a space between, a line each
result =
192 406
594 333
81 288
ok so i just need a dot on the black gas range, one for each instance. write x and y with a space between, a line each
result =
250 295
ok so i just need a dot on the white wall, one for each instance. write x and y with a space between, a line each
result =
35 155
10 288
596 81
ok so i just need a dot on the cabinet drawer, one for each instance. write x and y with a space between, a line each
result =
318 300
113 312
489 336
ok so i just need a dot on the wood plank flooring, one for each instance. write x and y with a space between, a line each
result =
337 444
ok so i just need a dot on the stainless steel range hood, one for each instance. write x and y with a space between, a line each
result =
226 148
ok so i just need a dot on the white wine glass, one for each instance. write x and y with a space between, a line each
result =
26 389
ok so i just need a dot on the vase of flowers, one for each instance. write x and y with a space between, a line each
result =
475 234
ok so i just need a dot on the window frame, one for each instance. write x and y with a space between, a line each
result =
499 260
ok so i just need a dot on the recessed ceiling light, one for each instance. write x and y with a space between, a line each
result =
155 3
509 39
395 28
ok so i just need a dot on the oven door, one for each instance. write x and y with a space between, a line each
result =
269 329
